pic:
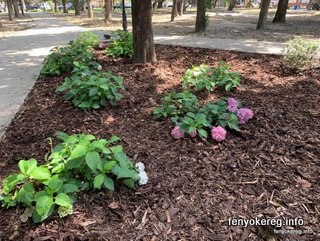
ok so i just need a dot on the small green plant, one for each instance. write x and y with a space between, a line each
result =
175 104
78 163
92 90
300 53
204 77
121 44
61 59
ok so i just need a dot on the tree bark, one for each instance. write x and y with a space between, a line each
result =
0 23
281 13
180 7
22 6
64 4
143 46
263 14
16 8
124 17
55 6
247 3
201 22
77 10
10 10
90 11
232 3
107 11
174 12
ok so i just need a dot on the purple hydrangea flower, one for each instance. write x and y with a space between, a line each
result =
232 104
193 134
244 114
218 133
177 133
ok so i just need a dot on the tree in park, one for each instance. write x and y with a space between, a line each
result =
263 14
10 10
201 21
232 4
64 4
177 9
22 6
143 46
107 11
16 8
77 9
124 17
280 16
90 10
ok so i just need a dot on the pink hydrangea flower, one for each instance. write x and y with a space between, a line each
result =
177 133
193 134
244 114
102 46
232 104
218 133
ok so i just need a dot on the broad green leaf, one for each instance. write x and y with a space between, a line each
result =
69 188
25 194
27 166
63 199
44 204
129 182
40 173
98 180
92 160
108 183
11 181
78 152
122 158
55 184
59 168
109 165
202 133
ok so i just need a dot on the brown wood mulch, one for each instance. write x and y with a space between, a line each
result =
270 169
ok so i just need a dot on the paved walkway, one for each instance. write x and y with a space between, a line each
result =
22 54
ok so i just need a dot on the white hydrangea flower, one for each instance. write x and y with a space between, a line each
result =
99 67
142 174
140 166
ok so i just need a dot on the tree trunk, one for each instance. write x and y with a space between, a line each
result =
232 3
90 11
16 8
55 6
10 10
64 4
143 46
174 12
77 10
214 3
155 6
22 6
124 17
263 14
247 3
107 11
0 23
180 7
280 16
185 6
201 21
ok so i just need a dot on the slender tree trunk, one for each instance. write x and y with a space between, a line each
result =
90 11
214 3
232 3
124 17
21 7
10 10
247 4
281 13
263 14
55 6
180 7
16 8
64 4
77 10
143 46
0 23
155 6
185 6
201 22
82 3
107 11
174 12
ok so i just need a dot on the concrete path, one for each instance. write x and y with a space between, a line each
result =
22 54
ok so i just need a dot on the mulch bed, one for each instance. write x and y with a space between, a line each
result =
271 168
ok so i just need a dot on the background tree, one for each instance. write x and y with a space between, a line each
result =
107 11
55 2
232 4
90 10
10 10
77 9
263 14
124 17
281 13
16 8
174 12
201 21
22 6
143 46
64 4
247 4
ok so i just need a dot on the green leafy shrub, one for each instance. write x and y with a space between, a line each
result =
300 53
175 104
121 44
78 163
92 90
204 77
61 59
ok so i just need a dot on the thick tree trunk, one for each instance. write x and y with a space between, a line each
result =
107 11
64 4
77 10
263 14
201 22
10 10
143 46
174 12
281 13
82 3
22 6
232 4
90 11
16 8
124 17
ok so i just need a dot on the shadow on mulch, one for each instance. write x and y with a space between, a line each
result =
269 169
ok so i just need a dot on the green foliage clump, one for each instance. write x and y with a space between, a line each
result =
300 53
78 163
185 112
121 44
175 104
92 90
60 60
204 77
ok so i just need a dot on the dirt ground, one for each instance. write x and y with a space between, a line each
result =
269 169
223 24
21 23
